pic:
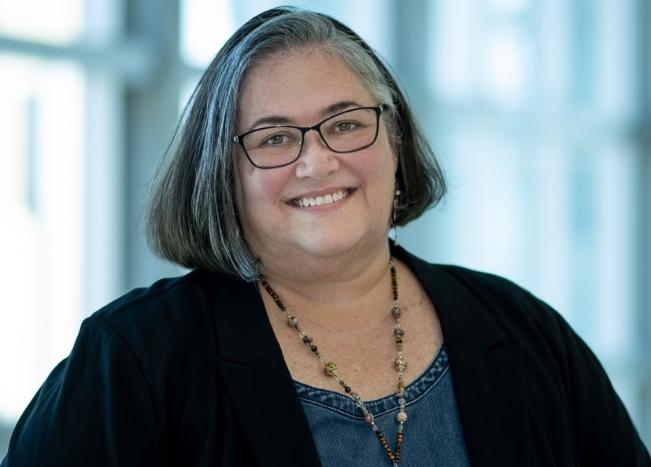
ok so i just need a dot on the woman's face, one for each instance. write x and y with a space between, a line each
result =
303 88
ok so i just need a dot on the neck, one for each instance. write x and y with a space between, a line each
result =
329 287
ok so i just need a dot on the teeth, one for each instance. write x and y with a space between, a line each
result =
321 200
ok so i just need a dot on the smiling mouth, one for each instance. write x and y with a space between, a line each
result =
330 198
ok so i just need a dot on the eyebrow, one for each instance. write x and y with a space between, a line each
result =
282 120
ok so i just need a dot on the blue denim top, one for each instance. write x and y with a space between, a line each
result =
433 434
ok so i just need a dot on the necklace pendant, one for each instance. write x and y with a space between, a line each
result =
401 363
330 368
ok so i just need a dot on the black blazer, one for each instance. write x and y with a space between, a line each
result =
189 373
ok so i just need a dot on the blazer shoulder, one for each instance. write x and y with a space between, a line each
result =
162 292
488 285
461 283
171 313
514 309
498 292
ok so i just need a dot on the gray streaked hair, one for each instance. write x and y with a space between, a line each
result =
192 218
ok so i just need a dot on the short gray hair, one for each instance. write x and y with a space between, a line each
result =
192 219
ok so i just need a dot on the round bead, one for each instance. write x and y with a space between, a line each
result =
330 368
402 401
399 332
307 339
292 321
401 417
395 312
369 418
313 347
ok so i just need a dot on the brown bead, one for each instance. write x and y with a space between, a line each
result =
395 312
292 321
307 339
398 332
313 347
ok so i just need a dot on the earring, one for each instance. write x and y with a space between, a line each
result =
394 215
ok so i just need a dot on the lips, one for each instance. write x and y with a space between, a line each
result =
321 200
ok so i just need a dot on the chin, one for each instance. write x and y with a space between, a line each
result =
340 243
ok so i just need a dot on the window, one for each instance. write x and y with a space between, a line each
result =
41 111
58 186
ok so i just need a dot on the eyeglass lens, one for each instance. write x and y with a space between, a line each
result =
280 145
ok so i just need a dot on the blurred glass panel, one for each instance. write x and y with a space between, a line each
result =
452 39
41 198
481 53
506 65
205 27
57 22
553 45
616 67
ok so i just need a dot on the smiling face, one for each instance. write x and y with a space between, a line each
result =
325 204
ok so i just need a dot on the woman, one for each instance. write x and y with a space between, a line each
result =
301 337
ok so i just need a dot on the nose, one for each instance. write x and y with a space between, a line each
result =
317 161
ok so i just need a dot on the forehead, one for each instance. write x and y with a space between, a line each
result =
299 85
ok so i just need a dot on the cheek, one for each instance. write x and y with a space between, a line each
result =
381 170
257 189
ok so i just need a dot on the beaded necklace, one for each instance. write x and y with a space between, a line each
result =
330 367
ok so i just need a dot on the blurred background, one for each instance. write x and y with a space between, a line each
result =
539 110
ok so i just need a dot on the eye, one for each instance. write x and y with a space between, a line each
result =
273 138
276 140
343 127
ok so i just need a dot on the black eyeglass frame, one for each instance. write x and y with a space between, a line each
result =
378 111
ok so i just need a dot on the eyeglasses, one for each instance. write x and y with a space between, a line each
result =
280 145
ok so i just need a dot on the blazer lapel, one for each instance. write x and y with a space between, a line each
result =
258 381
487 370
